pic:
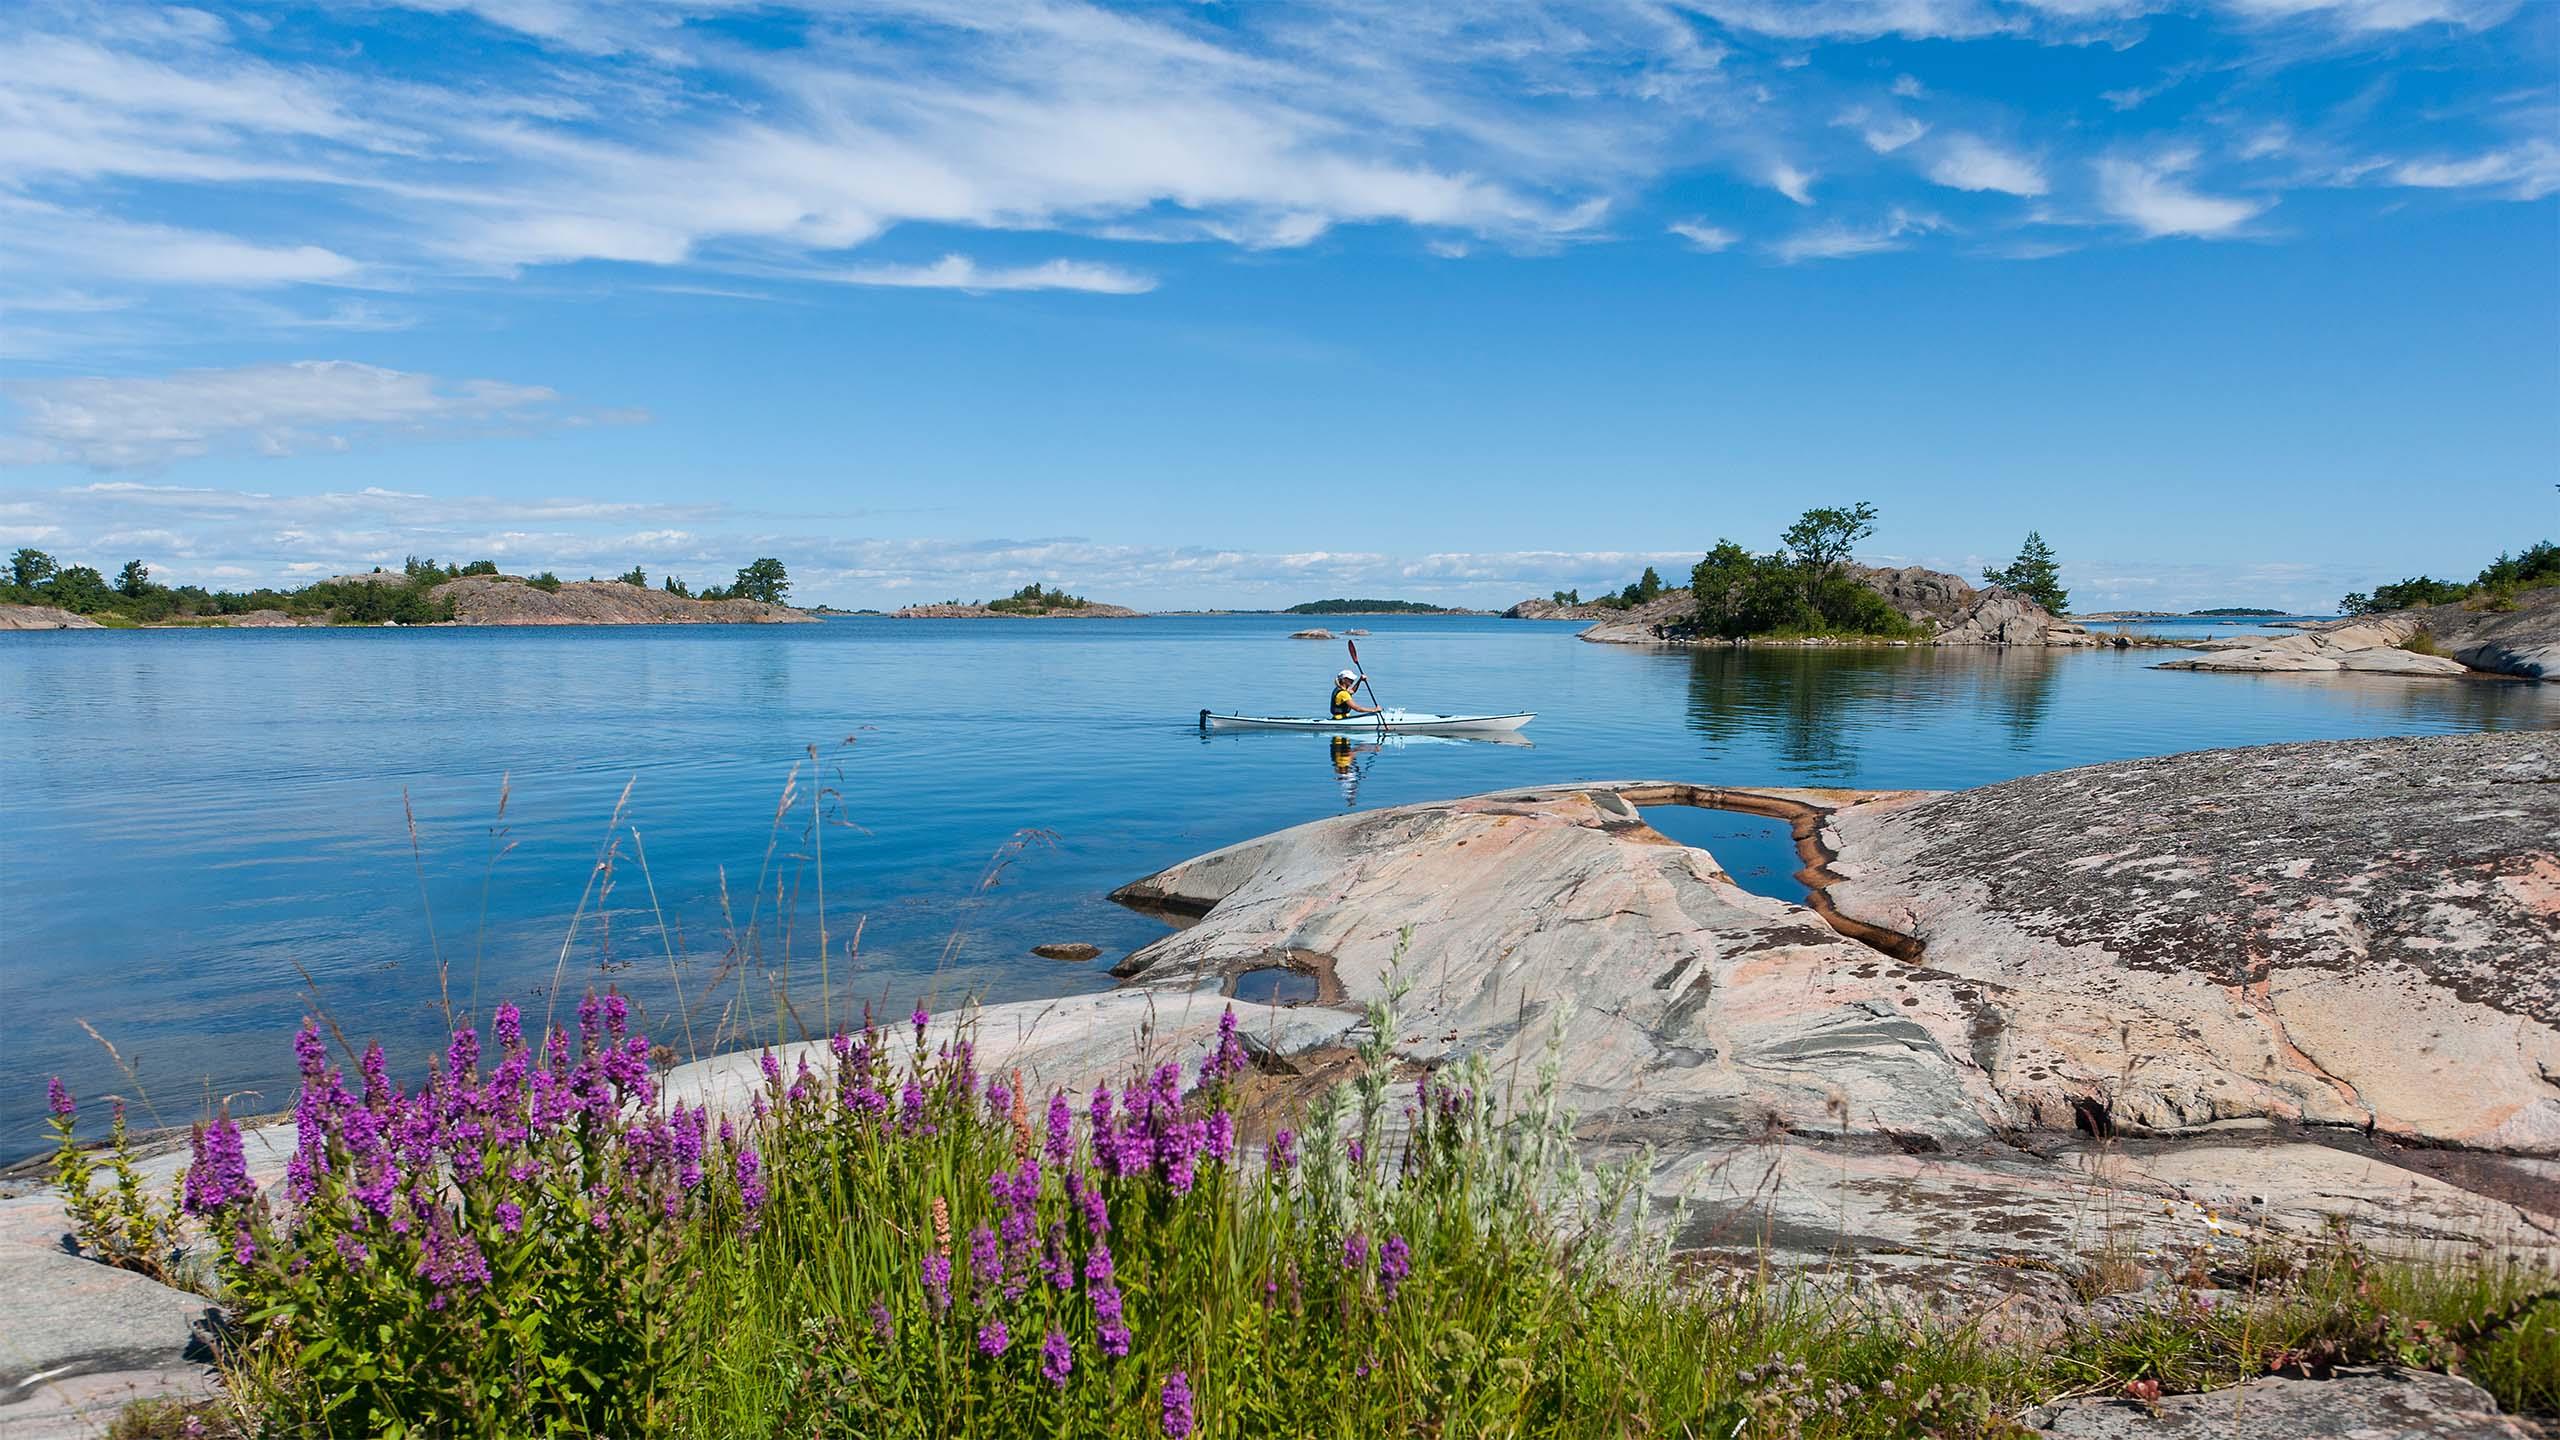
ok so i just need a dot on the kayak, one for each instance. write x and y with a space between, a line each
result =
1393 722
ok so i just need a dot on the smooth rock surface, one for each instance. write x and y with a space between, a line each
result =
43 617
2357 1404
81 1339
2355 933
492 600
1067 950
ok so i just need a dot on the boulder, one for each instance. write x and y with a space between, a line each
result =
1931 596
43 617
1317 634
1067 950
2383 1404
2004 617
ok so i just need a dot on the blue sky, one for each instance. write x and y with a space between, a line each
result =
2236 301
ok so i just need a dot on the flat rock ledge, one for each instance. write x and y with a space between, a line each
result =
2432 640
2355 1404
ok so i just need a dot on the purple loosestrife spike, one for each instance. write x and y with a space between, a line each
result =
1355 1252
1062 1125
986 1265
1178 1422
1110 1324
244 1246
992 1339
750 1184
350 1249
1284 1150
911 1107
937 1282
881 1330
1097 1265
1222 1137
1395 1262
590 1017
509 1023
510 1216
1358 1152
617 1015
920 1020
218 1172
772 1069
57 1099
1057 1359
310 1052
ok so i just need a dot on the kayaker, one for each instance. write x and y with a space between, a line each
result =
1346 696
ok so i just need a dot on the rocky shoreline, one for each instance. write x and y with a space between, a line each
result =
2128 1008
1947 609
1090 610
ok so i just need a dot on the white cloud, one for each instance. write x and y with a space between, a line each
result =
1795 184
1884 131
1839 242
283 409
1909 87
959 272
2148 196
1710 238
73 243
2528 171
1968 162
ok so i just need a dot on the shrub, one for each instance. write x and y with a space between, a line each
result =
546 582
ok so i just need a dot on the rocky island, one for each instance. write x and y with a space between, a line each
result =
1943 609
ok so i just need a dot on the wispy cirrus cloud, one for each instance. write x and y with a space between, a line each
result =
1969 162
2150 196
959 272
329 405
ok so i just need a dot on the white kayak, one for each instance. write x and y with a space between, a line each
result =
1393 722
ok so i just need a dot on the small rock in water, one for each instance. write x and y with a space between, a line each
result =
1072 950
1310 634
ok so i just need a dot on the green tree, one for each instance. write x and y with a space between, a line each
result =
764 580
1822 541
635 576
546 582
2035 575
30 568
80 590
134 580
2405 594
674 586
1567 597
481 567
1739 593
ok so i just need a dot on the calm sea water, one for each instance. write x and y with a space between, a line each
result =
200 830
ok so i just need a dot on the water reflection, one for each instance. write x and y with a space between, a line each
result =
1807 703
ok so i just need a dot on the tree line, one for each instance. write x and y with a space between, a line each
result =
408 596
2496 587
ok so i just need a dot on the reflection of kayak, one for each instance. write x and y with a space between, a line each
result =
1393 722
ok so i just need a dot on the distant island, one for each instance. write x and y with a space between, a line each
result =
1371 607
2222 612
1031 602
38 592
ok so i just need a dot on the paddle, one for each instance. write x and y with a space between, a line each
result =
1365 685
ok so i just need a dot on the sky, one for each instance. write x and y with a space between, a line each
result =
1193 304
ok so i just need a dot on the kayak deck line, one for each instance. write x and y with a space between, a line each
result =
1391 722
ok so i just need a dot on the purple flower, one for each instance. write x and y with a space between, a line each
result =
1358 1152
350 1249
880 1327
1178 1421
509 1025
510 1216
1222 1137
920 1019
911 1105
1062 1124
750 1183
1283 1154
310 1052
937 1281
1097 1265
986 1266
218 1172
772 1069
1355 1252
58 1098
1229 1059
999 1099
449 1259
1057 1359
460 1058
1395 1262
992 1339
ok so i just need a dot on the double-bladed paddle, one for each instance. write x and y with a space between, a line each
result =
1365 685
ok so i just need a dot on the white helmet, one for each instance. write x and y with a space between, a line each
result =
1348 675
